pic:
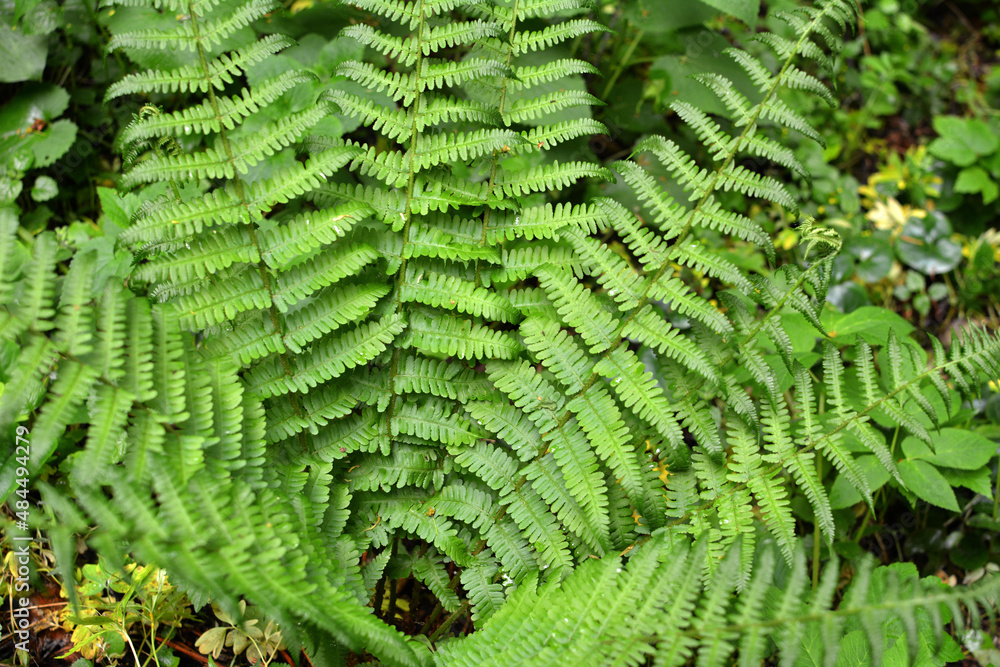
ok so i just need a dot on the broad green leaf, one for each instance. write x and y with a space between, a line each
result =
927 483
872 323
854 650
52 144
576 83
953 448
112 206
648 15
33 101
972 180
744 10
874 258
22 7
45 188
212 641
842 494
27 124
22 57
977 481
962 140
925 245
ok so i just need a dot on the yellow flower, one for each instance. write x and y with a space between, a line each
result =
888 215
787 239
892 215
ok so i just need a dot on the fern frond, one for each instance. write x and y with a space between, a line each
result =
526 41
226 163
530 76
430 376
407 87
327 359
520 261
579 308
187 37
637 390
319 271
208 256
450 292
528 109
436 149
192 78
448 109
545 137
407 50
555 176
212 115
539 222
681 299
614 274
462 338
656 333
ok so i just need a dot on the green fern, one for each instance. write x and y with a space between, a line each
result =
428 340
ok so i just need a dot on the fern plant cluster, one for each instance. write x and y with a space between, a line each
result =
418 354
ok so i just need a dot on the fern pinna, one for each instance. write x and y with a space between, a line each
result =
415 356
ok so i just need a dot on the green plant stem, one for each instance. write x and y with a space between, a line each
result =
433 617
623 62
408 216
454 616
453 584
996 496
379 593
277 319
864 524
817 534
391 613
135 655
892 452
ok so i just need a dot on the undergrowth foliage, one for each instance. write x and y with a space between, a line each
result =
380 359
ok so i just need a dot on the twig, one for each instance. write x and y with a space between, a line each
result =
184 649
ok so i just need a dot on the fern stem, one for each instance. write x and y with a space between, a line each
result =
817 533
454 616
623 63
495 162
864 524
438 608
996 497
391 613
277 321
379 593
411 180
